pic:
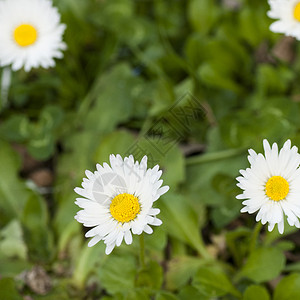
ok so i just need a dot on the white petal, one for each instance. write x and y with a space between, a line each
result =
94 240
128 237
109 248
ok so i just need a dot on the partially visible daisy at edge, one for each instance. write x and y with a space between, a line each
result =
118 201
271 185
288 14
30 35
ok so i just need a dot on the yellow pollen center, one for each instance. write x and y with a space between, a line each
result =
277 188
124 207
25 35
297 12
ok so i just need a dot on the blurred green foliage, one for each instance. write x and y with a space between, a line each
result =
133 66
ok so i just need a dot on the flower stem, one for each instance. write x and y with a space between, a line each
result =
142 251
254 237
213 156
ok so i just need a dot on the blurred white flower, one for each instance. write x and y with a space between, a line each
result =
288 14
272 185
118 201
30 35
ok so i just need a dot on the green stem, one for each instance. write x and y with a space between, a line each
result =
213 156
142 251
202 249
254 237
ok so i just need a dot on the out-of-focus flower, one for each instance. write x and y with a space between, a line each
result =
288 14
272 185
30 35
118 201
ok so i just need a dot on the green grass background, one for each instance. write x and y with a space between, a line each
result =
125 85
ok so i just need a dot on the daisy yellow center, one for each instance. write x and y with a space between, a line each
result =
25 35
277 188
297 12
124 207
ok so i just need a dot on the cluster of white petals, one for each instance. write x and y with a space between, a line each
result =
271 186
41 43
287 13
99 189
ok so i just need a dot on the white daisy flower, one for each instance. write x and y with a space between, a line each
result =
272 185
118 201
288 14
30 35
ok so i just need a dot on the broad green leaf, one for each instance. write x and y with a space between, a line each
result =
203 14
134 294
238 243
253 24
87 262
37 233
41 146
256 292
191 293
13 192
225 185
12 267
288 288
15 129
113 96
213 282
180 220
150 277
156 241
118 142
118 273
8 289
163 151
263 264
11 241
165 296
180 270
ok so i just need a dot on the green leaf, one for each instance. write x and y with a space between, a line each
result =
118 142
180 270
181 220
238 243
165 296
16 128
13 192
12 267
8 289
11 241
163 151
288 288
256 292
203 15
157 240
134 294
42 145
37 234
213 282
87 262
191 293
113 96
79 148
151 276
117 274
225 185
263 264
